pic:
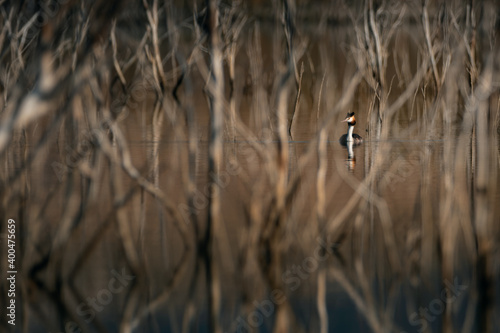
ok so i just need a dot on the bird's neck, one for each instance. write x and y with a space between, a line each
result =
349 133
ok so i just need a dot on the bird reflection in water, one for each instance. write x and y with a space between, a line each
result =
350 162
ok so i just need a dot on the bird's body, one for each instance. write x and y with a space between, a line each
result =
350 136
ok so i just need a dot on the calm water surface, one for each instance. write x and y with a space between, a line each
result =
172 281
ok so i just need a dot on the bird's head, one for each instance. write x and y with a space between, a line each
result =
350 119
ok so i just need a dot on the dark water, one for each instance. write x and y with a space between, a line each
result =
172 281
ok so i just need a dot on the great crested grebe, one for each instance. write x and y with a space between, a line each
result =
350 137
